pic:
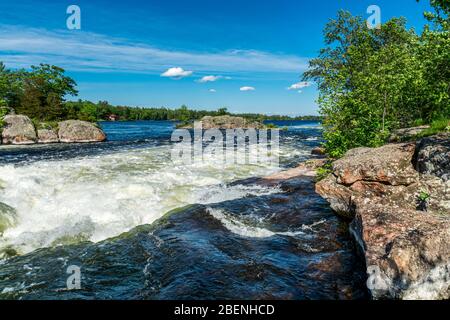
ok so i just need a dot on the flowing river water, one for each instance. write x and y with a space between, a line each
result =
142 227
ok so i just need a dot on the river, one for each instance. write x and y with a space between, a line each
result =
139 226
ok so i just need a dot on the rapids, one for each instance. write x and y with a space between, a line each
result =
102 206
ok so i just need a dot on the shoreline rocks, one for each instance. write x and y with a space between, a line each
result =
20 130
400 216
79 131
47 136
318 151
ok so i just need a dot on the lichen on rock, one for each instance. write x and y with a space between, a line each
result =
378 189
18 129
79 131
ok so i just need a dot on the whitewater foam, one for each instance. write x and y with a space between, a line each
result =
97 197
243 229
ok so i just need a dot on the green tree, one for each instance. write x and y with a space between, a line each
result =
374 80
44 90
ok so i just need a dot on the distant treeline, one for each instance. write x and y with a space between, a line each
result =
40 94
103 111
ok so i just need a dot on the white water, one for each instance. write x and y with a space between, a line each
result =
242 229
97 197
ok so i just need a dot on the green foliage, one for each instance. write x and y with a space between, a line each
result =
437 126
271 126
86 110
372 81
423 196
422 200
324 171
48 125
222 111
3 112
38 93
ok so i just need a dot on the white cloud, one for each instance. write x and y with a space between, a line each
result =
300 85
84 51
209 79
176 73
247 89
212 90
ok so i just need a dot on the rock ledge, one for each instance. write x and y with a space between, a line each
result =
400 217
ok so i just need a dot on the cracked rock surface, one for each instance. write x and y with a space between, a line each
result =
400 215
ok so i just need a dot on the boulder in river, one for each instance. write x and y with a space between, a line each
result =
47 136
18 129
79 131
318 151
406 245
229 122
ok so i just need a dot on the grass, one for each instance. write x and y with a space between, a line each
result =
324 171
437 126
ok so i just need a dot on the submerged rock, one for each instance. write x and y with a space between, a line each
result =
47 136
407 250
18 129
8 217
79 131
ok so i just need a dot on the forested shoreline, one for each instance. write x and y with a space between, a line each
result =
40 93
375 80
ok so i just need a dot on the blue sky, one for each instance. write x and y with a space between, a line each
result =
250 52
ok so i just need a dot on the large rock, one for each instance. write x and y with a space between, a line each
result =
433 156
229 122
47 136
8 217
407 250
390 164
18 129
318 151
79 131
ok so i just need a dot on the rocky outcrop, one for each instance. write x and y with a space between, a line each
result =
433 156
406 133
79 131
304 169
8 217
407 249
18 129
318 151
47 136
229 122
